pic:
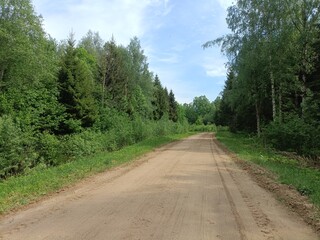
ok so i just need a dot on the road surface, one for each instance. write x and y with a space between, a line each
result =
186 190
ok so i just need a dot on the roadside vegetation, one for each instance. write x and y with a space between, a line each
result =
271 101
273 84
72 108
292 171
63 100
40 181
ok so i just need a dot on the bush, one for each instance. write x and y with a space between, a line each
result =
294 135
82 144
49 149
203 128
16 150
21 150
141 129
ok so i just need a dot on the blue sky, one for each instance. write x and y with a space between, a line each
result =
171 33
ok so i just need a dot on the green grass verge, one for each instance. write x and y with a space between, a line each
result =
21 190
289 171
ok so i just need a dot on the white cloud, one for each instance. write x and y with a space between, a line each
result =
121 18
167 58
214 66
226 3
215 71
171 34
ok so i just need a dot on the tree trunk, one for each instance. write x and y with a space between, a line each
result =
280 104
304 93
103 92
258 119
273 92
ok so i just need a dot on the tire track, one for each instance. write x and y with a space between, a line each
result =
261 219
239 222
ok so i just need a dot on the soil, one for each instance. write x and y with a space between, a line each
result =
193 189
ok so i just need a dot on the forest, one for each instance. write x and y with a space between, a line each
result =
63 100
273 82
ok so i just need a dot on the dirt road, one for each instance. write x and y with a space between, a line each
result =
187 190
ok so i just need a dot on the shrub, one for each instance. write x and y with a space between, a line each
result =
49 149
82 144
22 150
16 149
141 129
293 135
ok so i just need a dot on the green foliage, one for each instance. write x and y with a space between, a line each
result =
16 149
141 129
288 171
59 102
116 80
273 81
21 190
76 87
37 108
49 149
173 107
81 144
294 135
200 111
203 128
160 100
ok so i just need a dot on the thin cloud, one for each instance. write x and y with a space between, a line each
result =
121 18
171 34
214 65
169 58
216 71
226 3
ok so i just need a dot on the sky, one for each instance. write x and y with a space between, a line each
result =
171 33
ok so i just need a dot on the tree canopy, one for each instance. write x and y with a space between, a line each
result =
273 80
71 93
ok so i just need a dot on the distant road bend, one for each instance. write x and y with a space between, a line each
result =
190 190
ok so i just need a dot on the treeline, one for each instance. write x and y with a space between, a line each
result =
273 84
200 112
63 100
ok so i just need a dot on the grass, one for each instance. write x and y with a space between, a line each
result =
289 171
21 190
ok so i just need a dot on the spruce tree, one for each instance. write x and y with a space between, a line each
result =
76 86
173 107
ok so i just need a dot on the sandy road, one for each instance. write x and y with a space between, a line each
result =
187 190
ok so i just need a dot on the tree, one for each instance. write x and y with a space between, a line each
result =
173 107
76 86
28 67
141 80
94 55
273 52
200 111
117 77
160 101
